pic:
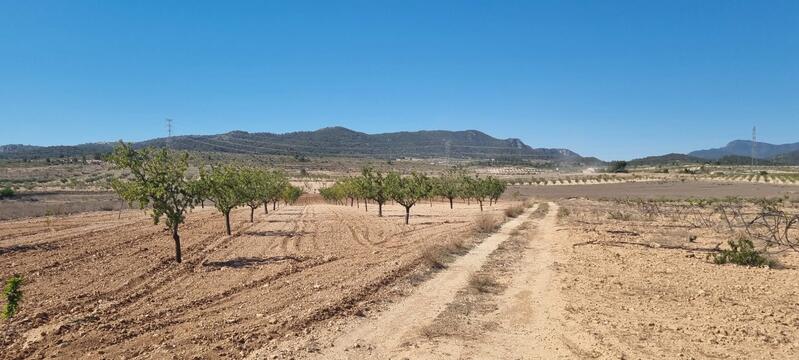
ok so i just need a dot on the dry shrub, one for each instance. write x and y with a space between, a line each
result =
563 212
483 283
618 215
487 223
438 256
514 211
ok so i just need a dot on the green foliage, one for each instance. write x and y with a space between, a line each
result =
483 189
13 294
449 186
408 190
374 188
157 179
7 192
227 187
742 252
290 194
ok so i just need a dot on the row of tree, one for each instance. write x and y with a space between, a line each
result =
158 179
372 185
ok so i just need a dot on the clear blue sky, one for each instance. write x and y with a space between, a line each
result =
614 79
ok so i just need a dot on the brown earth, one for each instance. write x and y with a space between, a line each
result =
323 281
99 286
654 189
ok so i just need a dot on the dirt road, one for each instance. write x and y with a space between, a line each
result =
525 321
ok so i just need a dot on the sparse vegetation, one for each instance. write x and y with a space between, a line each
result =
486 223
6 193
483 283
514 211
742 252
619 215
12 291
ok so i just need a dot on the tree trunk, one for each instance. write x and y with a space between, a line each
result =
202 204
352 202
366 205
227 222
252 213
274 205
176 237
450 203
481 204
407 214
266 207
380 209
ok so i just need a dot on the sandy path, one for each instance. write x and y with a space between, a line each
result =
384 336
529 316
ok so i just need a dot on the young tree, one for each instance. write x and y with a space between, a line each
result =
407 190
223 185
290 194
158 180
495 188
476 188
449 186
376 185
254 186
277 182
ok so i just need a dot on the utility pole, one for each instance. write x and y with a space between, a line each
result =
169 133
754 141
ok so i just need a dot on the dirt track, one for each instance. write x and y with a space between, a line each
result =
97 285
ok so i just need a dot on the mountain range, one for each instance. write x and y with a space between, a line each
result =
330 141
736 152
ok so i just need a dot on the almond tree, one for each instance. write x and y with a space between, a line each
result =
290 194
158 180
277 182
224 187
449 186
495 189
376 189
407 190
255 183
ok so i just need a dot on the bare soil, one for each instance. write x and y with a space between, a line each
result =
101 285
654 189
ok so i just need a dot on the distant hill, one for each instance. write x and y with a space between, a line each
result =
736 152
744 148
787 158
668 159
331 141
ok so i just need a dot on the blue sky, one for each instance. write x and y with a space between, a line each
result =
613 79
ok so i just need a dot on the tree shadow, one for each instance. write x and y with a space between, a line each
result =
25 248
243 262
279 233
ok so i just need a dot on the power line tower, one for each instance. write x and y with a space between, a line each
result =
754 142
169 133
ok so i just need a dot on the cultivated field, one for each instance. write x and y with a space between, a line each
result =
586 271
100 285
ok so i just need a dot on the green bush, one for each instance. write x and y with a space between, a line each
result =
13 296
742 252
7 192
